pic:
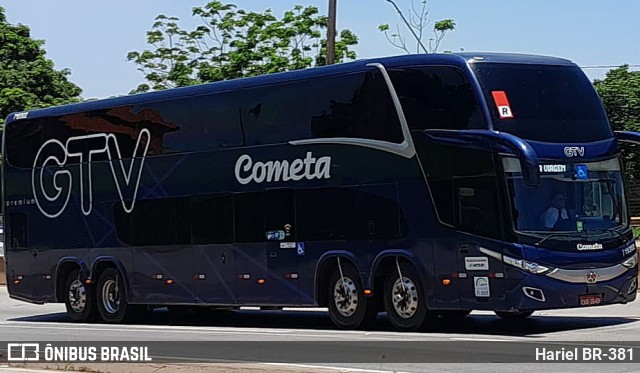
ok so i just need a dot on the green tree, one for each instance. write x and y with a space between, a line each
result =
620 93
28 79
232 43
427 39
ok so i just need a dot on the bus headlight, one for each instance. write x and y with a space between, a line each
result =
631 261
526 265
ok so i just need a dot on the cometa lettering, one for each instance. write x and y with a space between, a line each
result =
583 247
275 171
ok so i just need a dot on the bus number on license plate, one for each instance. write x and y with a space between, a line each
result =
590 300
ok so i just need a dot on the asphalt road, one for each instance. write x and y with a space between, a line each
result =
310 338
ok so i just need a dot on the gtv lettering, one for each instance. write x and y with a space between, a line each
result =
52 181
574 151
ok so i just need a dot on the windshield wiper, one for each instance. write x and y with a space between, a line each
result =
563 234
573 234
607 230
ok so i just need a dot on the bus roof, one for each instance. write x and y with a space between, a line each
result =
455 59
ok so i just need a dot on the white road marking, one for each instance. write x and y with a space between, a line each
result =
329 334
328 367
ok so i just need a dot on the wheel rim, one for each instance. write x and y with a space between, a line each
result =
110 296
345 296
404 298
77 296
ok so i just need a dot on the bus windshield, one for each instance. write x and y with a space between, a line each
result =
571 198
545 103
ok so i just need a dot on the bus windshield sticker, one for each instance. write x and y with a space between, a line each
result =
22 115
287 245
481 286
582 172
275 235
300 247
551 168
502 104
476 263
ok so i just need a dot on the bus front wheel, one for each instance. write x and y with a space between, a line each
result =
111 296
348 307
79 298
404 299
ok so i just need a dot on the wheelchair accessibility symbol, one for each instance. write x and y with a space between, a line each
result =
582 172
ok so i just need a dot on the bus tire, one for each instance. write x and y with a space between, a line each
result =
405 301
348 307
513 316
112 297
79 298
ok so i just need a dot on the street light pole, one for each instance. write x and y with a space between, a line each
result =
331 33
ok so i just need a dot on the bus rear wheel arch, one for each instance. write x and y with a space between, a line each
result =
79 298
348 306
404 298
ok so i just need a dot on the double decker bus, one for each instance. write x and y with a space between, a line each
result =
416 185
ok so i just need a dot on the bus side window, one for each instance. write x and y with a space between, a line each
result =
476 206
463 186
212 219
476 200
276 114
353 105
18 230
161 221
250 217
322 214
202 123
281 213
437 97
347 213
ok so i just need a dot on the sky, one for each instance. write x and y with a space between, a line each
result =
92 38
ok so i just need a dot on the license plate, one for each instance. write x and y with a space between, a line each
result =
590 299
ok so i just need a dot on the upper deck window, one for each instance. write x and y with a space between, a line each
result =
355 105
437 97
547 103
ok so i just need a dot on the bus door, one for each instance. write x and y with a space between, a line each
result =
212 230
267 268
18 256
480 278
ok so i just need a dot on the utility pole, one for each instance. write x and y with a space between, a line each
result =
331 33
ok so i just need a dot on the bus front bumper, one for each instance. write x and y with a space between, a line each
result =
538 292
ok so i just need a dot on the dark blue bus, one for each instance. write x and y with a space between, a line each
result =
416 185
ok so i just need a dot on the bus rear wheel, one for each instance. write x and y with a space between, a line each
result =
404 299
348 307
112 297
79 298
